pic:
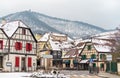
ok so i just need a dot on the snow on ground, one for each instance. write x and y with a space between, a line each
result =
15 75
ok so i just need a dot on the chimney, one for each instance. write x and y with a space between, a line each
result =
4 21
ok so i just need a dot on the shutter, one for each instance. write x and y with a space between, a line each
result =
27 48
20 46
1 44
16 45
30 47
94 65
17 61
29 62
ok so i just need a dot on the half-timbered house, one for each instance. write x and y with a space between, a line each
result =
52 45
3 47
20 47
96 50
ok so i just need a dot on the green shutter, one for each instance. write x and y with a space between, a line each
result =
83 57
101 65
67 62
102 56
94 65
93 56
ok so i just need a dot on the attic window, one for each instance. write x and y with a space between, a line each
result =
23 31
89 47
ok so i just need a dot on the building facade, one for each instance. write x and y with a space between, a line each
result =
95 52
51 45
20 47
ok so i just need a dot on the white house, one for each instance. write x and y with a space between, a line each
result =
18 47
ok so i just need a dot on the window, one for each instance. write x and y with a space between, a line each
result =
23 31
59 54
17 60
83 57
102 56
93 56
29 62
89 47
18 46
28 46
1 44
54 55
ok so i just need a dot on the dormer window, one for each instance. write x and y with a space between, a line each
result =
23 31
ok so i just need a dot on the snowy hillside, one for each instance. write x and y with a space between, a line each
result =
40 23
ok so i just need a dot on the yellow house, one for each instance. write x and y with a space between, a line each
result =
95 52
43 49
50 47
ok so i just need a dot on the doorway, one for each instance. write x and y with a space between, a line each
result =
1 61
23 62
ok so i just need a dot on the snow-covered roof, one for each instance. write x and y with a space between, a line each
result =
11 27
66 45
45 37
84 41
58 34
77 41
50 35
107 35
55 45
69 39
104 42
74 52
102 45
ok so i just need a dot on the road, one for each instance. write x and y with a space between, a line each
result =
79 74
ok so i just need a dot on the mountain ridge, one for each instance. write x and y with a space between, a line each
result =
41 23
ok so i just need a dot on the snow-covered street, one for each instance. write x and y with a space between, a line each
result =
15 75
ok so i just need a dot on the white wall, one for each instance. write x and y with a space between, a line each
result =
12 60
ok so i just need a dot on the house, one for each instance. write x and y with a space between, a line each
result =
96 49
3 47
52 45
19 44
71 58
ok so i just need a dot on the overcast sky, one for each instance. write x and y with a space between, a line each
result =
103 13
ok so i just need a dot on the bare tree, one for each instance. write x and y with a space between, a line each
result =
116 45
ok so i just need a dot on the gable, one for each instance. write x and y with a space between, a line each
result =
10 27
18 34
2 34
88 50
